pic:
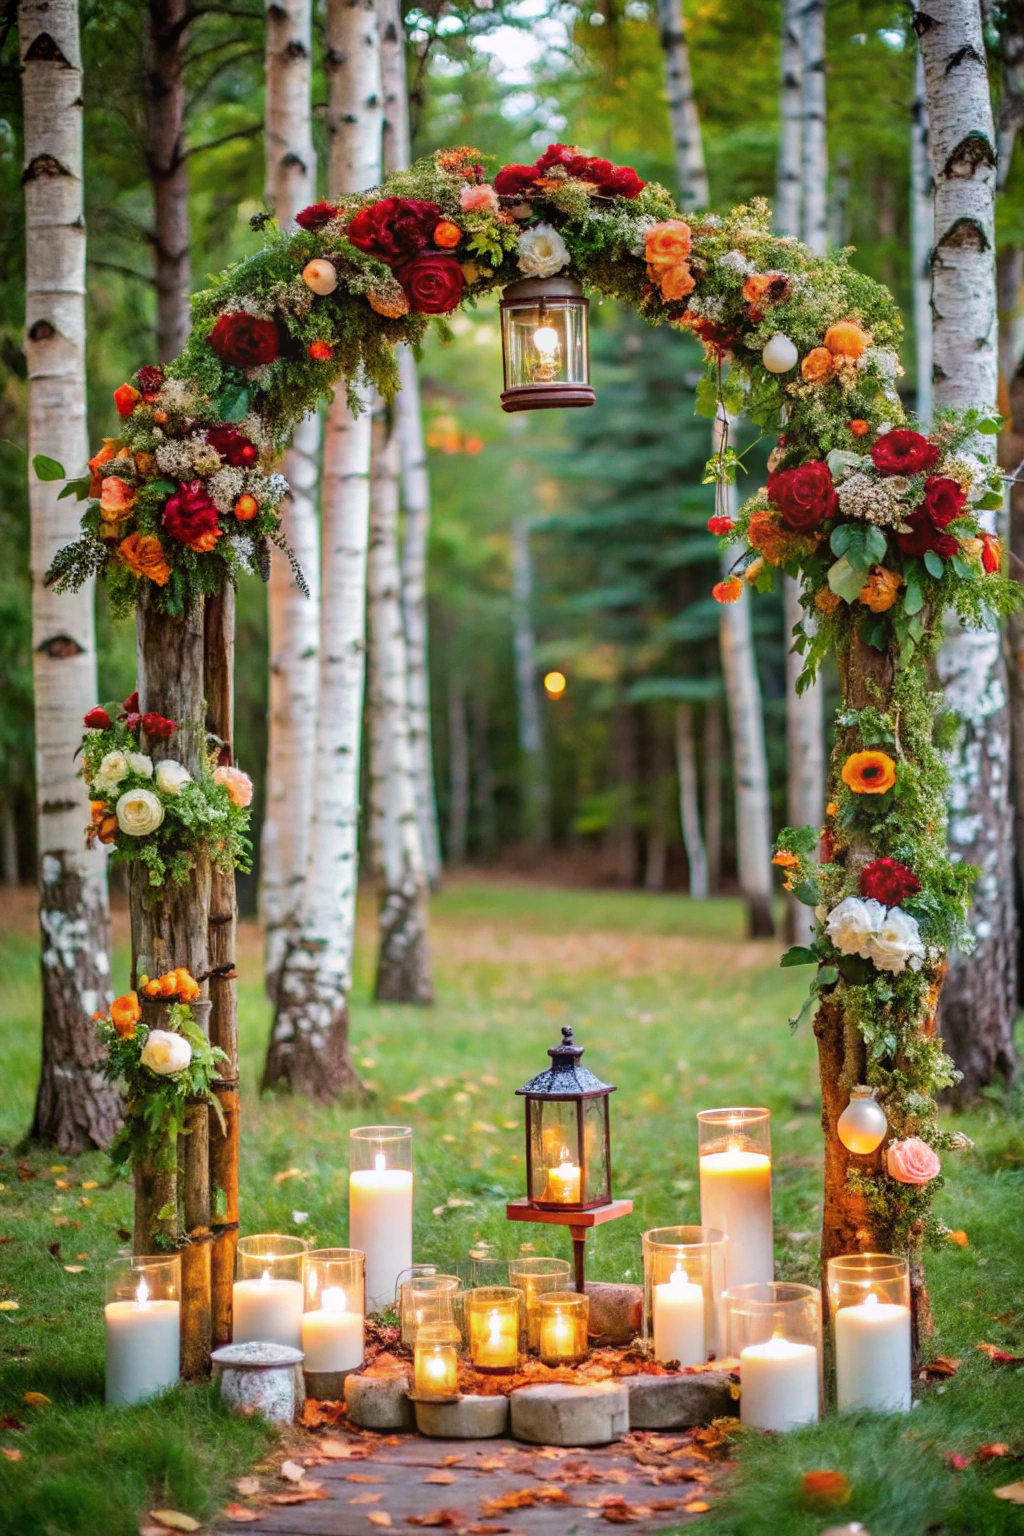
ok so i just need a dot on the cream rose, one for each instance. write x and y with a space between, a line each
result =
237 784
912 1161
139 763
111 770
896 942
851 924
542 251
165 1052
138 812
171 775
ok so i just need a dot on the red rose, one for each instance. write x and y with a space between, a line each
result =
515 180
924 535
150 379
991 553
245 341
96 720
232 445
433 282
395 228
596 170
805 496
622 182
888 881
943 500
189 513
903 452
316 215
131 703
157 725
565 155
133 719
720 525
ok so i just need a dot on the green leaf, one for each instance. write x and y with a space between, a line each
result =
828 975
77 488
963 568
233 402
47 468
990 425
913 600
707 398
166 1213
846 580
799 954
732 393
162 487
807 1011
933 563
992 501
877 636
807 892
861 543
915 628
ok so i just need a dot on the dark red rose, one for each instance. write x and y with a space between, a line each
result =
564 155
433 282
96 720
157 726
515 180
245 341
903 452
395 228
943 500
189 513
596 170
888 881
316 215
805 496
151 379
133 719
232 445
718 337
924 535
131 703
991 553
623 182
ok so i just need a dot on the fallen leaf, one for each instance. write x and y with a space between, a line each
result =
316 1413
241 1514
247 1486
824 1490
440 1519
413 1097
174 1520
293 1471
1000 1356
38 1400
939 1368
451 1461
366 1498
61 1184
958 1461
379 1517
10 1422
483 1528
960 1238
11 1454
440 1477
9 1306
123 1233
341 1450
58 1167
696 1507
1013 1493
74 1269
523 1498
303 1493
24 1170
990 1452
90 1183
290 1173
362 1477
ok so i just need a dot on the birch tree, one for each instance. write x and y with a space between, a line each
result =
293 618
789 172
922 229
75 1107
536 790
979 998
689 804
687 144
814 147
309 1043
167 164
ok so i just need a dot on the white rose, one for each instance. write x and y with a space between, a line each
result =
112 770
852 923
170 776
896 942
139 763
542 251
139 811
166 1052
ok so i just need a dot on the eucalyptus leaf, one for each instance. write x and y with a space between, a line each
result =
233 402
913 600
964 569
845 580
47 468
934 563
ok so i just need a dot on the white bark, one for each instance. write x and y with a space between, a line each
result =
815 146
689 803
687 145
789 172
458 772
978 1000
805 751
922 230
536 791
74 1106
293 619
397 145
354 111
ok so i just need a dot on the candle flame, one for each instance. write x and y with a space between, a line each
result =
142 1293
871 1300
494 1324
545 339
312 1281
334 1299
678 1275
266 1278
380 1162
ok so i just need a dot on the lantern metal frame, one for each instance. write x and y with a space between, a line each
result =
567 1082
547 294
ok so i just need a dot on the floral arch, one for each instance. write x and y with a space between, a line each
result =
881 523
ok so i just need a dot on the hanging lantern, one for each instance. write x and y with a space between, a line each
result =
544 344
568 1148
862 1125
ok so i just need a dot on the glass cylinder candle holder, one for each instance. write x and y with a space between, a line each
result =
534 1277
335 1303
869 1299
736 1189
684 1277
775 1330
380 1206
563 1319
268 1296
493 1312
486 1265
143 1327
427 1299
435 1367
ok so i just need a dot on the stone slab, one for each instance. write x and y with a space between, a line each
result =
379 1402
616 1312
557 1414
471 1418
679 1402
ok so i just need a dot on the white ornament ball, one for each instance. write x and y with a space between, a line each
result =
862 1126
319 275
780 354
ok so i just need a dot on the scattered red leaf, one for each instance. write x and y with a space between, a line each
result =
523 1498
379 1517
362 1477
304 1493
618 1512
10 1422
990 1452
696 1507
11 1454
440 1477
1000 1356
316 1414
939 1369
366 1498
958 1461
24 1170
824 1490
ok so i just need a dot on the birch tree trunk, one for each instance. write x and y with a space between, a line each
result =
458 772
293 619
689 804
714 767
309 1043
483 771
814 146
979 998
167 165
536 790
922 229
687 145
657 818
789 172
75 1107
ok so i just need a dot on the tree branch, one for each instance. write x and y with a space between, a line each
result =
226 138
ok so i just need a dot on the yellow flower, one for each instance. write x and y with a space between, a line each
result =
869 773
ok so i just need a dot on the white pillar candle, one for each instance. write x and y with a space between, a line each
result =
332 1336
678 1307
380 1225
873 1356
267 1311
563 1183
736 1197
778 1384
143 1348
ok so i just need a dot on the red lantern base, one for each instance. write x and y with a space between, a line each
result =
543 397
578 1222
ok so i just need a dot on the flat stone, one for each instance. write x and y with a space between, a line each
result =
379 1402
616 1311
558 1414
260 1378
471 1418
679 1402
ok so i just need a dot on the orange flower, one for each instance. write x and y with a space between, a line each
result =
144 554
825 1490
675 282
320 351
145 463
188 987
391 303
116 499
826 601
817 365
447 235
847 339
160 418
103 826
755 287
881 589
832 809
125 399
106 453
206 541
728 591
125 1013
668 243
859 428
246 508
869 773
960 1238
786 860
766 534
151 988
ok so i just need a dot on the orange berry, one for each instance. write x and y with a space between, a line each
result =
246 508
447 235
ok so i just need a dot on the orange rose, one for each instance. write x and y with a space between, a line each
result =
881 589
728 591
206 541
246 508
869 773
188 987
151 988
126 399
847 339
447 235
106 453
859 428
817 365
826 601
320 351
676 282
116 499
144 554
832 809
125 1013
786 860
778 545
755 287
668 243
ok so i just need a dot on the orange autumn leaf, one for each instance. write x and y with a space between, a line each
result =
959 1238
824 1490
241 1514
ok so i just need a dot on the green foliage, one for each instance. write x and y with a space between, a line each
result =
155 1103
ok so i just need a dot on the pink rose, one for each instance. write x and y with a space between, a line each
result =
912 1161
479 199
237 784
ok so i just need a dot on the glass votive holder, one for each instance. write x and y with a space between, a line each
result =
684 1277
869 1300
335 1304
142 1317
563 1319
380 1188
775 1330
534 1277
427 1299
268 1297
493 1312
735 1164
435 1369
487 1266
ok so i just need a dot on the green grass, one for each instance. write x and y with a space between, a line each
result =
675 1007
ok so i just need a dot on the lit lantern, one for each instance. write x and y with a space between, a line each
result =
568 1150
544 344
436 1362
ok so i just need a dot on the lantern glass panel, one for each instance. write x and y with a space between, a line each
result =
597 1176
546 343
554 1151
